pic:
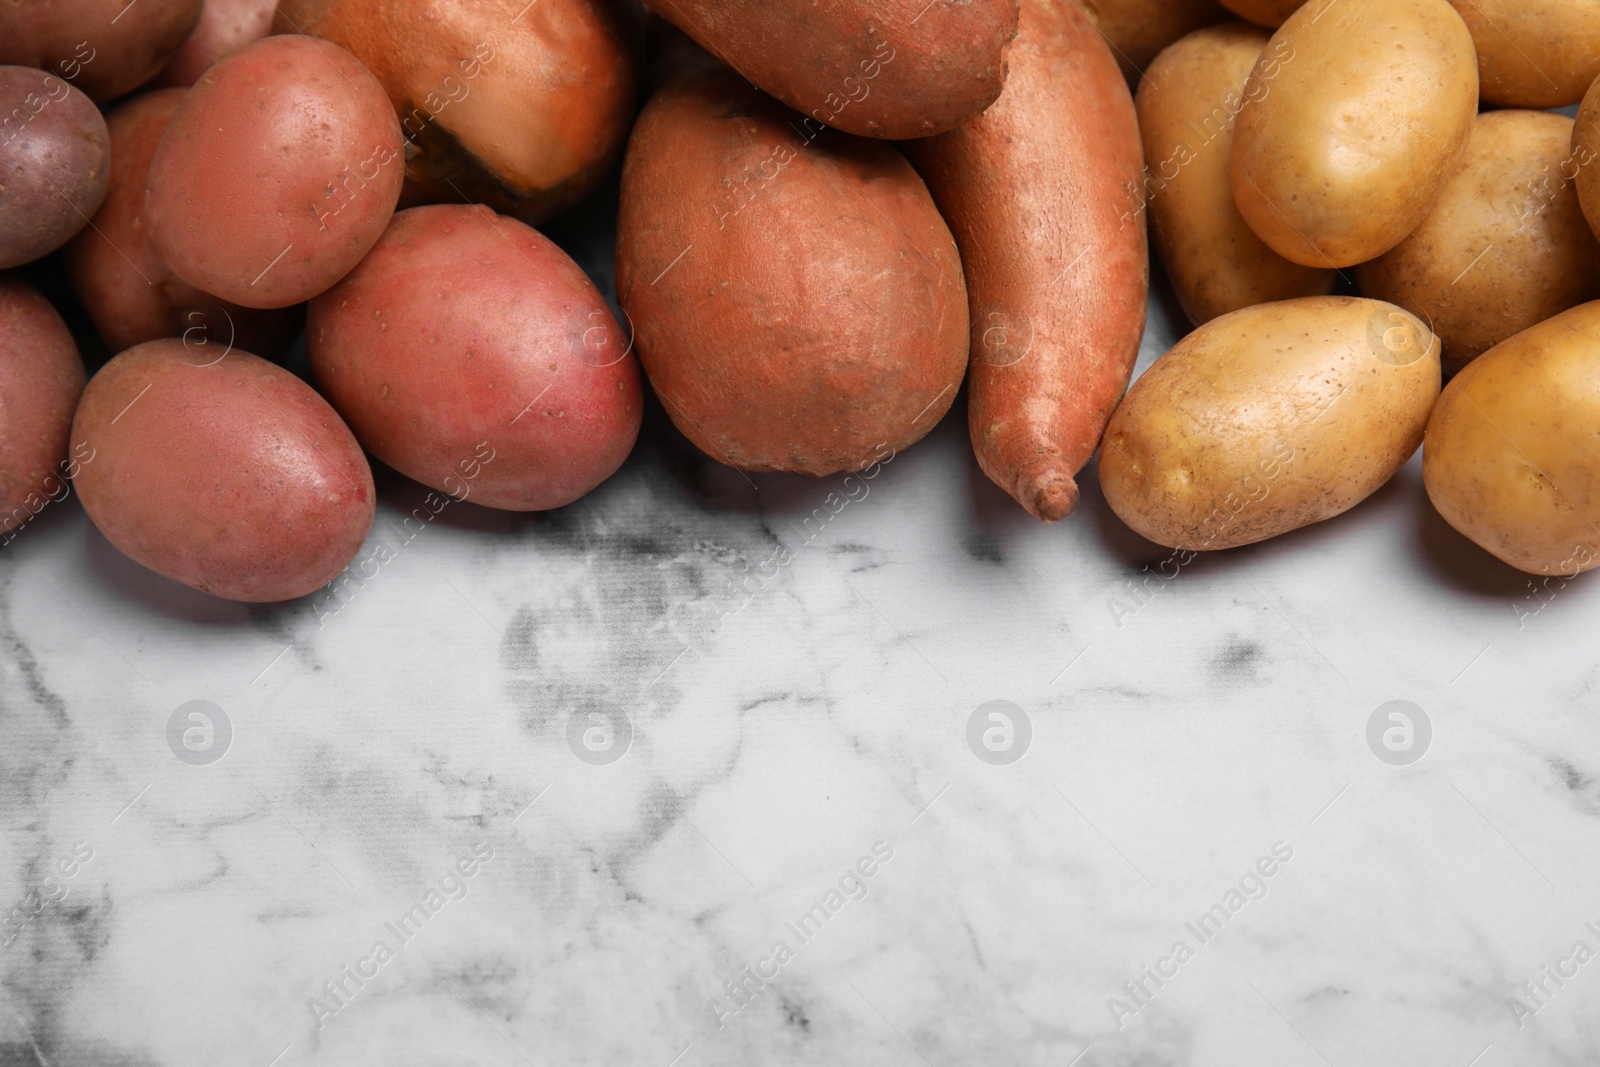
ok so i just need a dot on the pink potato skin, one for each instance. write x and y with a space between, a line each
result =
225 27
277 173
466 335
41 376
130 294
105 48
233 477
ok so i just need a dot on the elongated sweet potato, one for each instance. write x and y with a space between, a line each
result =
1044 194
877 68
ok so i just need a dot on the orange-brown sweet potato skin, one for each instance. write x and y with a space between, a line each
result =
1044 193
797 300
520 106
41 376
233 477
876 68
129 293
105 48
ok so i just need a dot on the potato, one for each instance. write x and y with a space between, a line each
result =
520 106
225 26
129 292
41 376
1534 53
1506 245
1342 153
277 173
104 47
233 477
798 300
468 352
1585 154
1269 419
1271 13
876 68
1139 29
1512 459
1187 105
55 160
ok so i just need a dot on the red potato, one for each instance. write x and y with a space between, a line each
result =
876 68
1045 199
41 376
233 477
104 47
517 105
129 292
277 173
798 301
470 353
54 163
225 27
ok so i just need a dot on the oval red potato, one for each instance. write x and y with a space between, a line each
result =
470 353
41 376
233 477
278 172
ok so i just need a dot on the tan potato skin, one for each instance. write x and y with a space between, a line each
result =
876 68
1506 245
233 477
1586 156
1046 205
521 107
1361 128
1187 105
798 302
1534 53
1137 30
1270 419
1512 459
105 48
41 376
1270 13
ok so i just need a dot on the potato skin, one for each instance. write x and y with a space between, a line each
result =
41 376
1505 246
1269 419
798 301
520 107
1187 105
277 173
1137 30
1047 210
468 352
1341 154
1512 460
1534 53
225 26
233 477
104 47
131 295
55 155
1269 13
875 68
1585 155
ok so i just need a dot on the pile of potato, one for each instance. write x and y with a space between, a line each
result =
833 214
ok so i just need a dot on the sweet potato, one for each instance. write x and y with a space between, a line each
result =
1044 193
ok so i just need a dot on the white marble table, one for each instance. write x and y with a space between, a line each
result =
625 773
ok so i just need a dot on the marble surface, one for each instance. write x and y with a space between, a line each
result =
701 770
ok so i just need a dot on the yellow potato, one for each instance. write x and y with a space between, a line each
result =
1534 53
1187 104
1504 248
1585 151
1341 154
1512 458
1138 29
1264 12
1270 419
